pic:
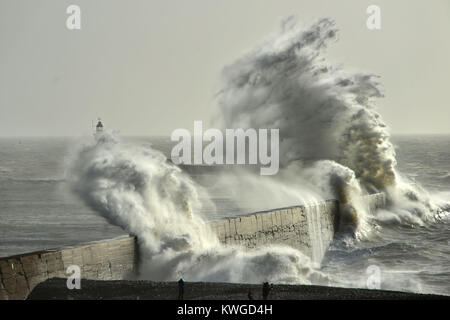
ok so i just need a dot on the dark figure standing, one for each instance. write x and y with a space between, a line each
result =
250 295
265 290
180 289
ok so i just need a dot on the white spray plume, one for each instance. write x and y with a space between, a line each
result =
136 188
326 118
333 144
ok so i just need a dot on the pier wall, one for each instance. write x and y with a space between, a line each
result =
308 228
113 259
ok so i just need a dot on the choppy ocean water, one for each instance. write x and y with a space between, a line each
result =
409 258
38 211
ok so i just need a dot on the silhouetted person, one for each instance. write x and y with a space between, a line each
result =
180 289
250 295
265 290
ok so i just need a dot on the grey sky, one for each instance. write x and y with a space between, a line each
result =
149 67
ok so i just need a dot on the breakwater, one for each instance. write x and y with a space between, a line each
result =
114 259
307 228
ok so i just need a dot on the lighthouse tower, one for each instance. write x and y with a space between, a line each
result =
99 127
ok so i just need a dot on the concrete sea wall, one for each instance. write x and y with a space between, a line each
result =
308 228
114 259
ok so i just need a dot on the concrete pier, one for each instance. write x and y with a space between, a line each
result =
114 259
308 228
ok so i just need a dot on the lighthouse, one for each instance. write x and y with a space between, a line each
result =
99 127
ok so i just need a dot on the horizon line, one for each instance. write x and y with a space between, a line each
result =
168 135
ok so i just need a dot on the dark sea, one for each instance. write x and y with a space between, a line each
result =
38 211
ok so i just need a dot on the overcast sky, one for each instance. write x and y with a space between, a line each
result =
149 67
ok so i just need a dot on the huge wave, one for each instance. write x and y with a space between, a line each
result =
136 188
333 144
327 120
